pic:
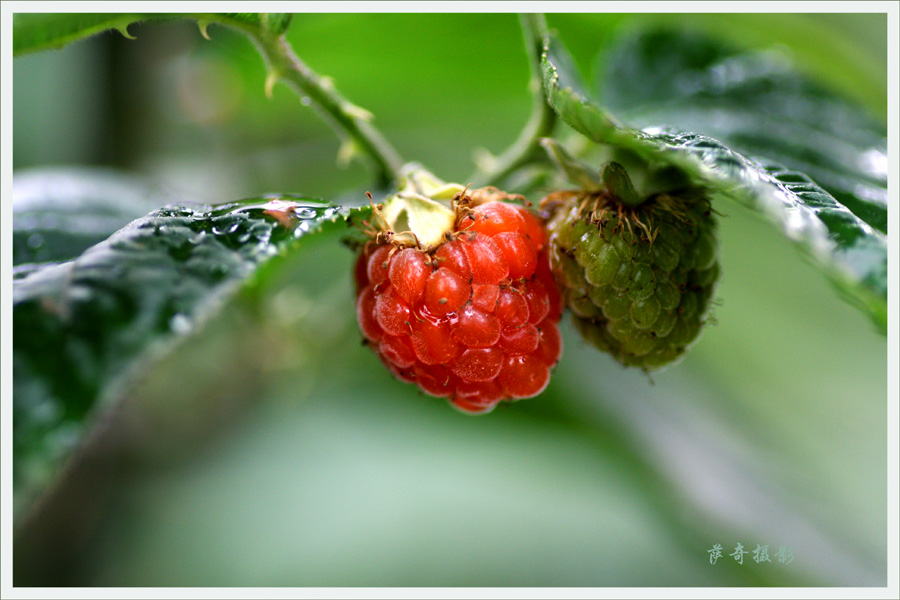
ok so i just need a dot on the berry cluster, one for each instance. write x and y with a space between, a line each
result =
473 319
638 280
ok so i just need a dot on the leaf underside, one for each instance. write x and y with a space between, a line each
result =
781 130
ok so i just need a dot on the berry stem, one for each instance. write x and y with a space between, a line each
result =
351 122
540 123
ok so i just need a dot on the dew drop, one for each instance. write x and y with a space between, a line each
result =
225 230
304 212
35 241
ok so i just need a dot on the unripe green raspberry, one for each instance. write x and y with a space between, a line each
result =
638 277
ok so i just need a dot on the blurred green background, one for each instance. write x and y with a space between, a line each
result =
329 472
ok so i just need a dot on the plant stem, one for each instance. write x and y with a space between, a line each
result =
351 121
540 123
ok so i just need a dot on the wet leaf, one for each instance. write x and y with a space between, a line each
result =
85 329
58 213
847 246
757 104
33 32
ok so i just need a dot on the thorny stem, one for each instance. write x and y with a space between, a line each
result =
351 121
540 123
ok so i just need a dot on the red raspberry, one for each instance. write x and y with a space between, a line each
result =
474 319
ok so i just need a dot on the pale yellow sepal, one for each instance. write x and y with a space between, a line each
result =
427 220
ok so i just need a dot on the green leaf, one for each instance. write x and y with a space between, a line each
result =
578 172
84 330
757 104
58 213
33 32
616 180
845 246
563 85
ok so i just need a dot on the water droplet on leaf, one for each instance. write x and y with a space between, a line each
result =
35 241
305 212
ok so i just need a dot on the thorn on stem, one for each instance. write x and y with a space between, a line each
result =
203 25
123 29
271 79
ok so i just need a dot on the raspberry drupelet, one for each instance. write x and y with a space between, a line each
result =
472 318
639 277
